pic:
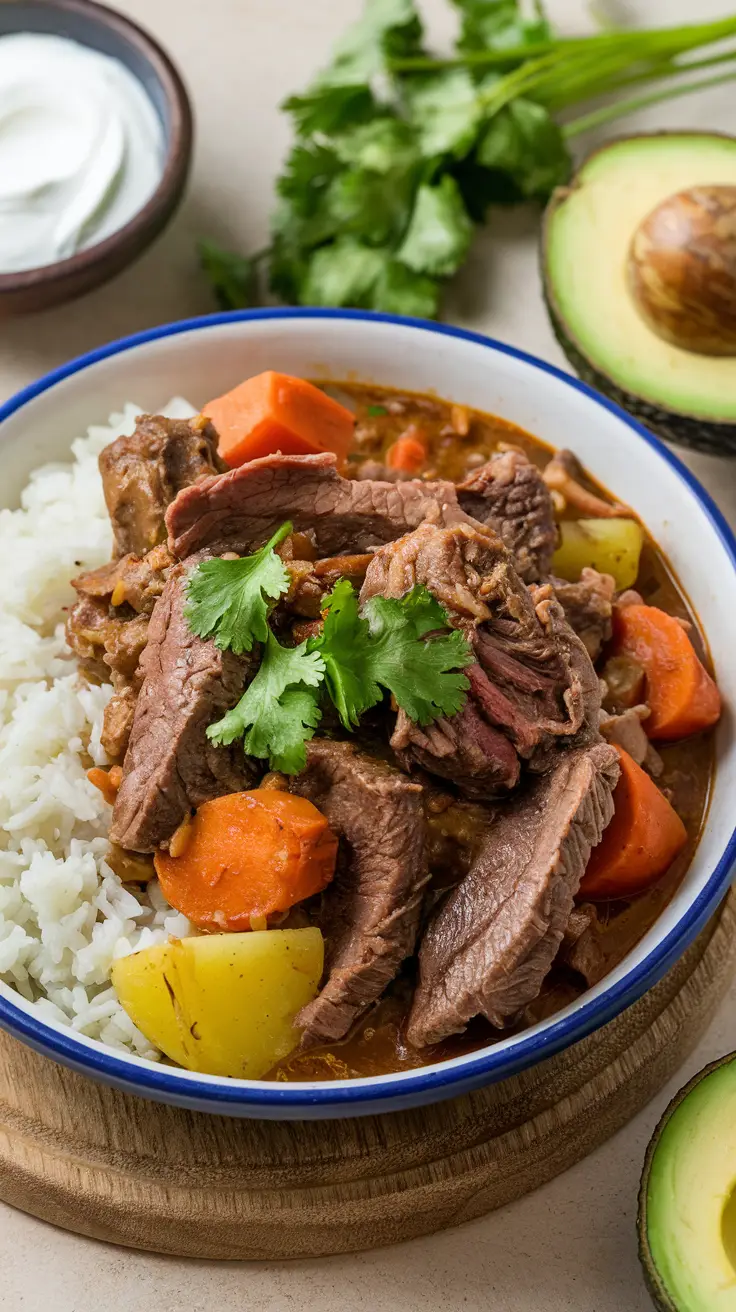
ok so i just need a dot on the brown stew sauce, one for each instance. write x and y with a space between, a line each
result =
377 1045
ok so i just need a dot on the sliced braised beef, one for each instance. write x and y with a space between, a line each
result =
240 510
509 494
532 684
370 911
582 947
143 472
170 765
490 945
588 607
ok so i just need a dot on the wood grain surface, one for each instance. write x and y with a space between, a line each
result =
119 1168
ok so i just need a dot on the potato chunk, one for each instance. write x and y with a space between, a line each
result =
612 546
223 1004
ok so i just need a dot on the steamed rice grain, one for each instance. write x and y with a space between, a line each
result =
65 916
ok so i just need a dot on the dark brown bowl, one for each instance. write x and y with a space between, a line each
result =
109 32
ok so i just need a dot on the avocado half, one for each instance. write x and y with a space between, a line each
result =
687 1200
683 396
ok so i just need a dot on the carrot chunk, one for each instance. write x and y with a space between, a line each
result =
641 842
682 697
107 782
275 412
247 856
408 453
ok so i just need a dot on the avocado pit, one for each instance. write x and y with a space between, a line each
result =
682 270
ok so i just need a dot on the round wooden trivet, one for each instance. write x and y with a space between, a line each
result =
138 1173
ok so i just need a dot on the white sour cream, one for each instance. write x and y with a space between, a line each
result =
81 148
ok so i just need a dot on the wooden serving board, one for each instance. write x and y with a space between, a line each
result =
134 1172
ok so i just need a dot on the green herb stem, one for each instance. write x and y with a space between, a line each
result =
572 93
622 107
649 43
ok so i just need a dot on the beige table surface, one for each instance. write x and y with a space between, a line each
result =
572 1244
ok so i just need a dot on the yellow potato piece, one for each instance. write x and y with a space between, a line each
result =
223 1004
612 546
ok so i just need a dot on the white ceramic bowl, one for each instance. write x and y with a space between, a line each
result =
203 358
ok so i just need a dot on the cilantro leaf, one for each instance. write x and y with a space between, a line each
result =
499 25
399 290
523 141
342 273
232 277
308 170
385 648
422 610
326 108
341 93
384 144
446 111
440 230
231 598
342 645
386 28
425 677
279 710
370 205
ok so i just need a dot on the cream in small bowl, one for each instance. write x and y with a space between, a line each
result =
81 148
95 147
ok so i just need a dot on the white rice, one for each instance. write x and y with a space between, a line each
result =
65 916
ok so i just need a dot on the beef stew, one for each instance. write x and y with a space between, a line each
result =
457 911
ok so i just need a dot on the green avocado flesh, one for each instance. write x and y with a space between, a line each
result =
588 231
688 1204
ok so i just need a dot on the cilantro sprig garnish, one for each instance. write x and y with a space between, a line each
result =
383 650
398 154
279 711
230 600
403 646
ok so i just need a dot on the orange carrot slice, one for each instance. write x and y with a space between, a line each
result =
680 693
275 412
247 856
641 842
408 453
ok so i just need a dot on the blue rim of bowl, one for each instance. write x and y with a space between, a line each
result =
477 1068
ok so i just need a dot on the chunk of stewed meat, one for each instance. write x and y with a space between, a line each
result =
370 912
532 682
143 472
588 607
117 723
627 730
242 509
171 765
582 947
490 945
509 494
135 581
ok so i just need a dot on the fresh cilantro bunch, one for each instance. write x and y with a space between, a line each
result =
401 646
384 650
398 155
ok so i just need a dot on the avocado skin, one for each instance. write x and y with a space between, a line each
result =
698 434
657 1291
